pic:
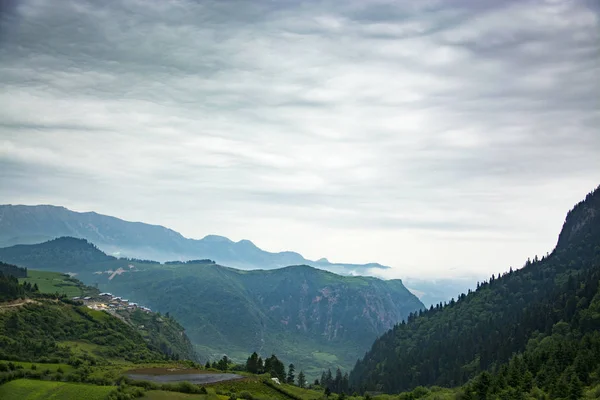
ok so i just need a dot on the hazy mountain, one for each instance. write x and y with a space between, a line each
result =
308 316
34 224
537 324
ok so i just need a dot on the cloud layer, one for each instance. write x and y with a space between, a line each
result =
438 137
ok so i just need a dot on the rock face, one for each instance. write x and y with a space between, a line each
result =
582 222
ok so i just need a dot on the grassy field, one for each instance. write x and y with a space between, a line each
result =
163 395
52 282
26 389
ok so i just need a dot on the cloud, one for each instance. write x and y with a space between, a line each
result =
428 134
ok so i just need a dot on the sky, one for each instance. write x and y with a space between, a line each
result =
441 138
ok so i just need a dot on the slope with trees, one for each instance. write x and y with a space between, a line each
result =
549 302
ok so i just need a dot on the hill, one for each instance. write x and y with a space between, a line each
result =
47 309
308 316
537 326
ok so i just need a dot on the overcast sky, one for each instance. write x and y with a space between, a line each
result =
442 138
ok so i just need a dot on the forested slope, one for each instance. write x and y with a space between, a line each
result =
448 345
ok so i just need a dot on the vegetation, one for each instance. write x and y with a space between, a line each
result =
56 282
547 313
35 331
162 332
9 269
11 289
27 389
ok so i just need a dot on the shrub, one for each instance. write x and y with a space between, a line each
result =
186 387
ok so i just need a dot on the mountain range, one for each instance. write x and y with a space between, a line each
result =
308 316
20 224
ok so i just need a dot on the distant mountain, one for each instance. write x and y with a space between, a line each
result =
530 329
308 316
21 224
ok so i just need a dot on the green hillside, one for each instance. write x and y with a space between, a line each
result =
57 282
547 313
313 318
161 333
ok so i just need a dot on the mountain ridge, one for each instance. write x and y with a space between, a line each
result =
28 224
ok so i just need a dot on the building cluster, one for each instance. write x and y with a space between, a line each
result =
106 301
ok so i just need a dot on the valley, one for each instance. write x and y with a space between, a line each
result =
530 333
299 200
315 318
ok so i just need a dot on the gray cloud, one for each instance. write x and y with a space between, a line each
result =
427 134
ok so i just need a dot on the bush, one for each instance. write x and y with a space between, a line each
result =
147 385
246 395
186 387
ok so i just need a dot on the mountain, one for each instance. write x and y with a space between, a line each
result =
21 224
306 315
537 326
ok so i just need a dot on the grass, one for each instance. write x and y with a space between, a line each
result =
80 348
255 386
26 389
42 366
325 357
52 282
303 393
163 395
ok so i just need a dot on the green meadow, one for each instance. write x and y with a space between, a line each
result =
28 389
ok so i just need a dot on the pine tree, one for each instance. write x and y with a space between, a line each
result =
260 366
302 380
252 363
575 388
290 376
337 385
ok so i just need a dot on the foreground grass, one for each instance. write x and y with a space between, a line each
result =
27 389
163 395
